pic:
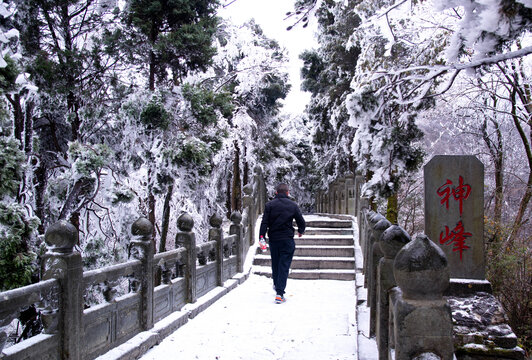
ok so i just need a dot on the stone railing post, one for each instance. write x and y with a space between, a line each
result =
341 205
142 249
359 181
361 217
391 241
350 193
330 203
186 238
318 201
371 276
216 234
236 229
260 188
63 263
372 219
422 322
249 209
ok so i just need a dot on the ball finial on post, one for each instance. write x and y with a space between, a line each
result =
185 222
61 237
142 227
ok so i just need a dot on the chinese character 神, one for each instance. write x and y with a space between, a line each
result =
460 192
456 236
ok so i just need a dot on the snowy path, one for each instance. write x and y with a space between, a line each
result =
316 322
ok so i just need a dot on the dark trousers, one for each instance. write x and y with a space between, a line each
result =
281 252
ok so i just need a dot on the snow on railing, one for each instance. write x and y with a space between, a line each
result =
158 285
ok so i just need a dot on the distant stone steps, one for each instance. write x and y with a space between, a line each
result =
326 251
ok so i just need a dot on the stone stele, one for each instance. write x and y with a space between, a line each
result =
454 212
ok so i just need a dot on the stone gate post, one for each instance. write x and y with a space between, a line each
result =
142 249
185 237
63 263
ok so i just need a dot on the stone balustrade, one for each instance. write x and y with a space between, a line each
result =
416 310
405 280
340 197
73 331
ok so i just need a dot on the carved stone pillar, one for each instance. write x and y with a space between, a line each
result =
421 316
216 234
391 241
236 229
249 208
63 263
371 276
142 249
186 238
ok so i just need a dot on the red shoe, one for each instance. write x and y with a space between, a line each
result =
279 299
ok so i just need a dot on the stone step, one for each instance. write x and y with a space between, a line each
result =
324 274
311 262
331 240
329 224
320 250
328 231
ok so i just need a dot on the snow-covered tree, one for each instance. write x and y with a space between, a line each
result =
17 223
327 74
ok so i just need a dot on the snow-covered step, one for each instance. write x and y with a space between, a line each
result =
332 240
329 224
320 250
311 274
328 231
311 262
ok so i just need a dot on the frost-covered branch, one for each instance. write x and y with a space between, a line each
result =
425 81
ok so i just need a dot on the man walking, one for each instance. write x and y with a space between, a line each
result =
277 219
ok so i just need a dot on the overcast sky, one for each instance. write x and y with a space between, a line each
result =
270 14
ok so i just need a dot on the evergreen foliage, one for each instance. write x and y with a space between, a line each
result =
179 34
205 103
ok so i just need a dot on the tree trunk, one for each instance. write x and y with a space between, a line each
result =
40 182
153 38
391 210
28 128
228 196
18 118
236 198
68 209
495 147
245 178
518 222
166 218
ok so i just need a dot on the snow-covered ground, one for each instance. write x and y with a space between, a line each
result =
316 322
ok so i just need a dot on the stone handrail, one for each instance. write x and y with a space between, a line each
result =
184 274
416 310
405 281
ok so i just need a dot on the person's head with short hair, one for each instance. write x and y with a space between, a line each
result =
282 189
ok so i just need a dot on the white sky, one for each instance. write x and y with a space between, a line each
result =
270 15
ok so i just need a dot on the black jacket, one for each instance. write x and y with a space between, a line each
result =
278 218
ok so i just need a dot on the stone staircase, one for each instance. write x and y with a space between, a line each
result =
326 251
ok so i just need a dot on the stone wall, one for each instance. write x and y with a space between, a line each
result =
192 270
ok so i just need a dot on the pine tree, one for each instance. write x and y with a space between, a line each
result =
178 33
